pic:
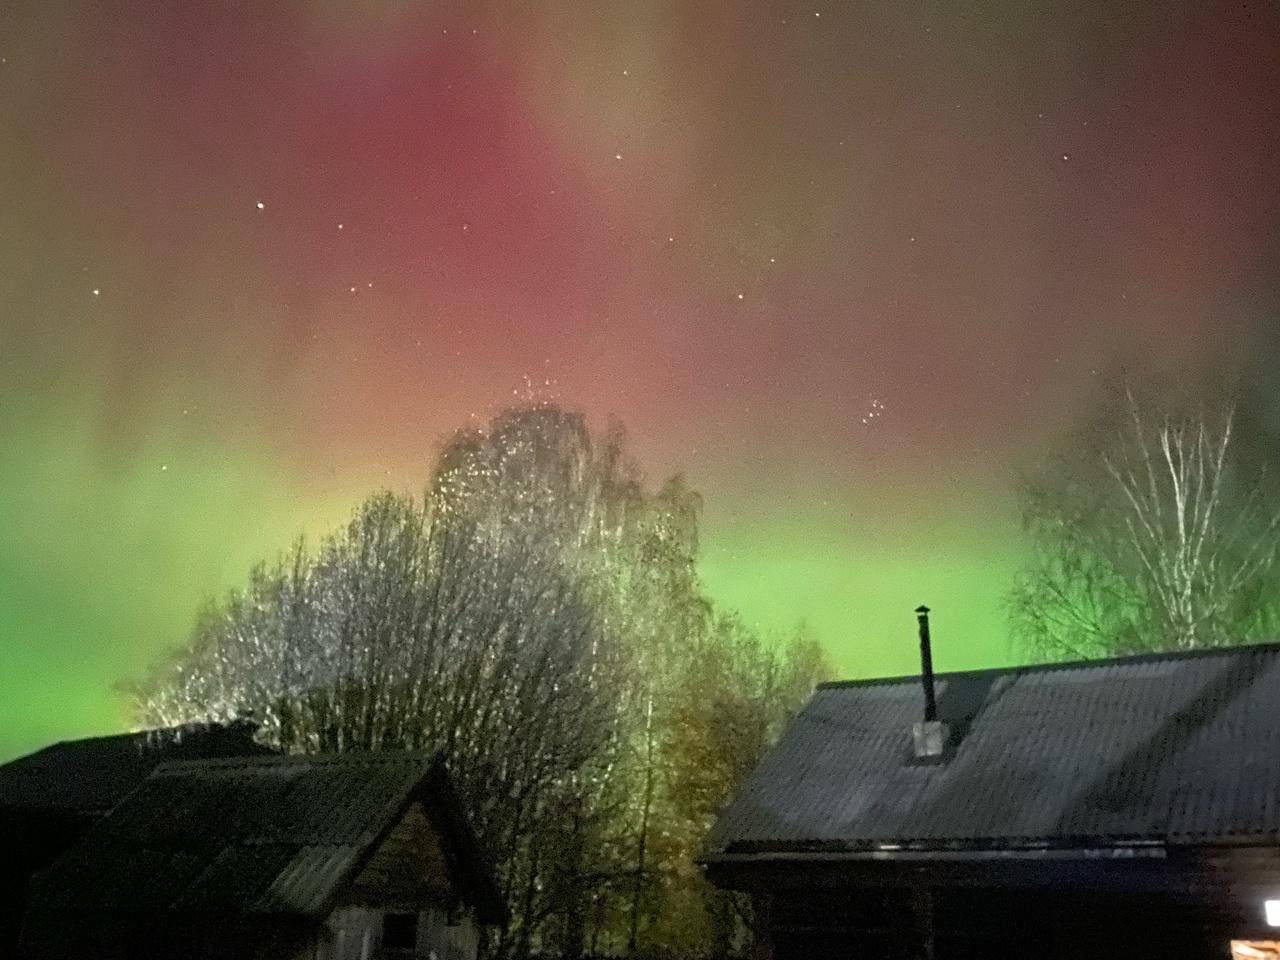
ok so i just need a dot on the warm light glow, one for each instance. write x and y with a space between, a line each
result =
1273 913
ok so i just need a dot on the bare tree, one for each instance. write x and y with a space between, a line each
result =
537 614
1153 527
486 619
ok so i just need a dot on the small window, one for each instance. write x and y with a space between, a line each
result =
400 932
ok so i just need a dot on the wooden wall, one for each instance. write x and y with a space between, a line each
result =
355 933
409 867
408 873
1180 904
991 924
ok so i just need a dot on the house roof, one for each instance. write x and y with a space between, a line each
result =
1174 749
244 837
91 776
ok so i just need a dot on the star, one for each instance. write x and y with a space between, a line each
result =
260 205
96 291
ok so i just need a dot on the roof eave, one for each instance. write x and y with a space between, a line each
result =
391 814
471 859
1081 848
928 855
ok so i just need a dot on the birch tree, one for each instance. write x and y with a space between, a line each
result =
1153 527
482 619
537 614
531 615
735 690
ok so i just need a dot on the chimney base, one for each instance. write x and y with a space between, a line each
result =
929 738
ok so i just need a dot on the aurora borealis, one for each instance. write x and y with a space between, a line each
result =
846 265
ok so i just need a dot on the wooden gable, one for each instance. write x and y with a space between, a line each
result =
409 866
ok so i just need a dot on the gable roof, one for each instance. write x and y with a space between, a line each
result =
91 776
251 837
1172 748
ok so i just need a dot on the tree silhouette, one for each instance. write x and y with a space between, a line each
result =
1153 526
537 615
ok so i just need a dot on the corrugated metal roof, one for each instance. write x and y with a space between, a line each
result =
239 836
92 775
1178 748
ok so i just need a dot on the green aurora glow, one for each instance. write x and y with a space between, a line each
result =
739 228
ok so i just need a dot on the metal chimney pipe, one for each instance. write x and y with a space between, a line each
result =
926 665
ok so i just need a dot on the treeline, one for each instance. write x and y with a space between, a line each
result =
537 614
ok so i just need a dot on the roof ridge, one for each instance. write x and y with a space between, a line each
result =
105 737
176 732
1269 646
302 827
350 758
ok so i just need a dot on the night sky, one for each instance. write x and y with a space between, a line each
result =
844 264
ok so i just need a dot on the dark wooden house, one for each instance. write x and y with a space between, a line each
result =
50 798
351 857
1119 808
